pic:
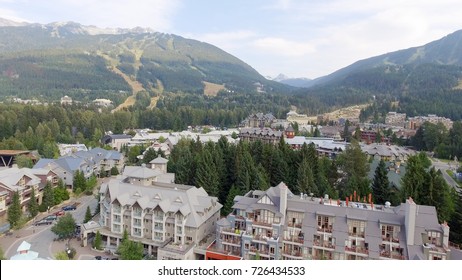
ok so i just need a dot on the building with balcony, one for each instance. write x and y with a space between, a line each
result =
278 225
265 135
23 180
172 221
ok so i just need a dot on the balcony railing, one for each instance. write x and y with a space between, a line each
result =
297 225
232 231
356 249
323 244
325 229
261 252
259 223
390 239
231 241
294 253
295 239
356 234
234 252
392 255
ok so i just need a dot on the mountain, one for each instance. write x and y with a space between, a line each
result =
87 62
445 51
295 82
417 81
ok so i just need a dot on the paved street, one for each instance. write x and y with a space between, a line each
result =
443 166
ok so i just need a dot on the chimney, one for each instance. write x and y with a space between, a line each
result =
283 190
409 220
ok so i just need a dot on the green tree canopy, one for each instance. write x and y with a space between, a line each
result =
380 184
65 227
129 249
33 206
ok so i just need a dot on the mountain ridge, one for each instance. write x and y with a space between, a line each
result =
159 61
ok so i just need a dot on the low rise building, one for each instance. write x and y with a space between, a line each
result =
265 135
276 224
172 221
23 180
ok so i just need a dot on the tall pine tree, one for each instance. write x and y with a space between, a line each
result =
14 211
380 184
33 206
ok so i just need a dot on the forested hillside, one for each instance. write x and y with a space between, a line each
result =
417 81
49 61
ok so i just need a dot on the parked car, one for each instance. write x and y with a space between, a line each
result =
43 222
69 208
51 218
59 213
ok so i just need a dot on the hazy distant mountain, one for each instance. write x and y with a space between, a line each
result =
51 60
7 22
295 82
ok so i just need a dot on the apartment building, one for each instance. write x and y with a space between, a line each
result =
278 225
172 221
418 121
22 180
265 135
396 119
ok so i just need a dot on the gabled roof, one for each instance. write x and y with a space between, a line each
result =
159 160
190 201
140 172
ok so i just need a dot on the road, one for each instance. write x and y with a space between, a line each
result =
40 237
443 166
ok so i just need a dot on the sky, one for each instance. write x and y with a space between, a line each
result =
299 38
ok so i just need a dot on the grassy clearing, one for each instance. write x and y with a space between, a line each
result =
212 89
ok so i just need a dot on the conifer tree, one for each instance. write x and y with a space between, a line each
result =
228 205
48 198
206 174
33 206
88 215
98 241
14 210
380 184
305 181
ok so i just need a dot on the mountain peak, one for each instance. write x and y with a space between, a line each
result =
281 77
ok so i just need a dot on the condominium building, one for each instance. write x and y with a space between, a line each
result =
276 224
172 221
418 121
394 118
265 135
